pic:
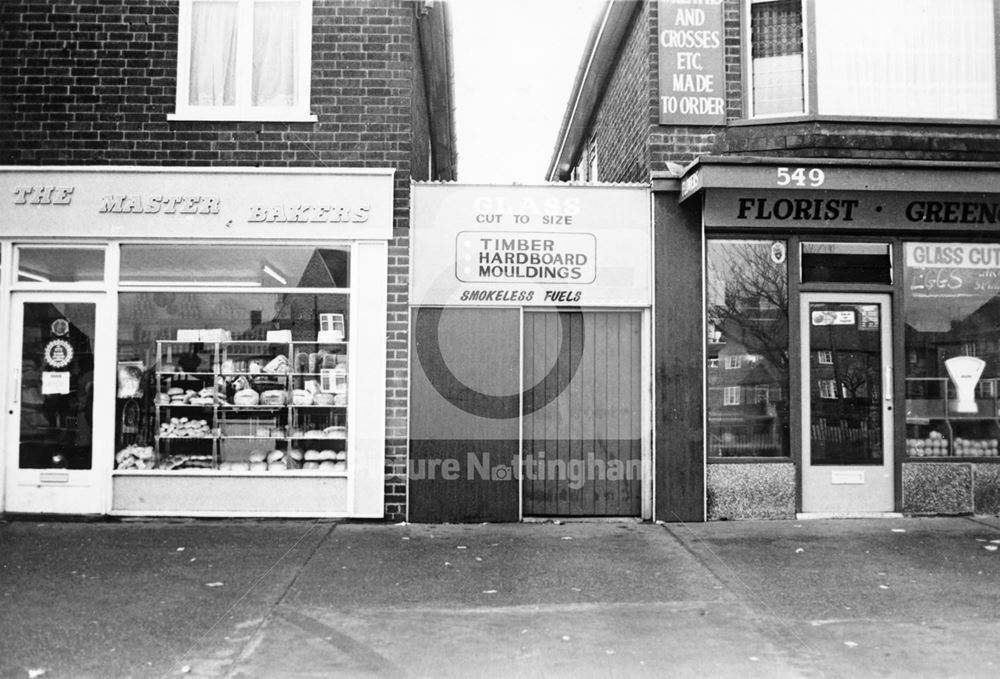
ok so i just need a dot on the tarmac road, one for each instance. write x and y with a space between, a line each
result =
241 599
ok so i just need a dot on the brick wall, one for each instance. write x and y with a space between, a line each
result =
622 122
397 376
90 82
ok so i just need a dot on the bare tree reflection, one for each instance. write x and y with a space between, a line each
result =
747 315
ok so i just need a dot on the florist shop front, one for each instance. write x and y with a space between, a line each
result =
851 334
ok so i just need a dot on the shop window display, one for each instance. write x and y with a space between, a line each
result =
747 332
233 381
952 348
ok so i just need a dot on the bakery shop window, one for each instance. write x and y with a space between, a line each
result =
241 266
747 335
233 380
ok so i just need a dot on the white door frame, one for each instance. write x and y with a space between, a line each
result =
848 490
61 491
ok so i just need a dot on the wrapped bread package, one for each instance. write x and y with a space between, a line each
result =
274 397
246 397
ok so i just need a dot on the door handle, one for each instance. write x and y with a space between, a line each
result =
16 396
887 383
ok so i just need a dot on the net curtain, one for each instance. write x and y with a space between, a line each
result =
921 58
215 58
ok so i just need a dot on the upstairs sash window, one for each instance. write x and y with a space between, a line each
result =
244 60
932 59
776 51
906 58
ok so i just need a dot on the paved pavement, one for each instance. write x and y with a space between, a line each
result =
248 599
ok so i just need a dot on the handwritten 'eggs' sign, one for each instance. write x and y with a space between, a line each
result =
952 269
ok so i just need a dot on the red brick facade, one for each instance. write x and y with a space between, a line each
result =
632 145
91 82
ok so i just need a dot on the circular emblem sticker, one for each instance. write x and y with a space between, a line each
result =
58 353
778 252
60 327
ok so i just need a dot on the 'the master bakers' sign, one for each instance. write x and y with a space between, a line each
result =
530 245
692 68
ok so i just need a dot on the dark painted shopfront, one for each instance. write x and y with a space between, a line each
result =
850 340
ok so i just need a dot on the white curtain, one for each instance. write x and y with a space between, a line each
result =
275 54
906 58
213 54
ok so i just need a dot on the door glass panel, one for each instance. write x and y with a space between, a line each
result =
845 392
56 392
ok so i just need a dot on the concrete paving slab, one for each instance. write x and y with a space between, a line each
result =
130 599
883 597
536 600
373 565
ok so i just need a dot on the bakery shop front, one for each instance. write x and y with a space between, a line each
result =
203 342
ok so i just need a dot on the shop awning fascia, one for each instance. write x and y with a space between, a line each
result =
838 174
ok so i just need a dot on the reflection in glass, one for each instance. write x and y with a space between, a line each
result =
57 386
240 266
952 309
846 263
844 393
747 348
59 265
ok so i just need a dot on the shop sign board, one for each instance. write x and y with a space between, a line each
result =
945 270
692 64
806 209
231 203
475 245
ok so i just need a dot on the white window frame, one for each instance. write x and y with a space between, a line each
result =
734 362
828 389
810 93
731 396
762 394
243 110
748 61
824 357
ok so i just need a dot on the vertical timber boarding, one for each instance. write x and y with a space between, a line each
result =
594 425
458 423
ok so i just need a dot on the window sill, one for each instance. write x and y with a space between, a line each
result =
749 459
805 118
263 116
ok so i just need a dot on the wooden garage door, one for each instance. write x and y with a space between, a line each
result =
582 440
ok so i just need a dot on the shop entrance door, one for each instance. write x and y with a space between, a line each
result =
582 426
847 461
58 398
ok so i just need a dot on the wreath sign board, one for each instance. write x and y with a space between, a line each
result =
58 353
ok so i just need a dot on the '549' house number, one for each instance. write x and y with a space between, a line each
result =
800 176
